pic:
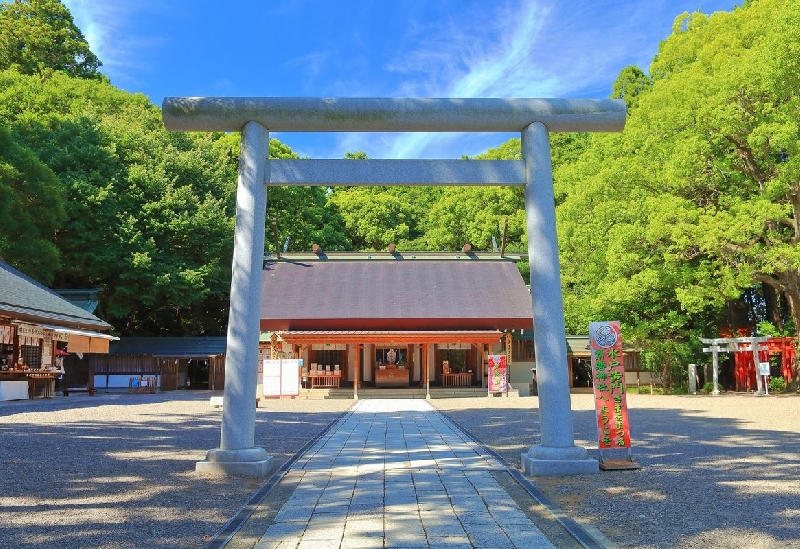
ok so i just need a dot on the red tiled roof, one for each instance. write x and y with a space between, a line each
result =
394 295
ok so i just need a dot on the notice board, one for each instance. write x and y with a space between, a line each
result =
281 377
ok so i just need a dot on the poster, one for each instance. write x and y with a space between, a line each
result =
498 381
608 373
290 379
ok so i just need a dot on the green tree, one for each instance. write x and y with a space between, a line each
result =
376 216
150 213
477 214
373 217
696 201
31 211
631 82
37 36
474 215
738 141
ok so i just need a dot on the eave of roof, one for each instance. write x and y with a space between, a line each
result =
391 337
23 298
395 256
172 347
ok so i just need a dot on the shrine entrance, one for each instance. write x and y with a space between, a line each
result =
390 360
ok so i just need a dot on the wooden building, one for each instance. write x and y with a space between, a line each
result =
43 337
175 362
391 319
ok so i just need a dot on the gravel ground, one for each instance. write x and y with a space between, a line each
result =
717 472
117 470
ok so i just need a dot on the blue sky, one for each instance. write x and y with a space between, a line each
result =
377 48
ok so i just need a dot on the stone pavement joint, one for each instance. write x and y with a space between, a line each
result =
394 473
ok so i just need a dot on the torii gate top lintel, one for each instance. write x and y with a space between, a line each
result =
310 114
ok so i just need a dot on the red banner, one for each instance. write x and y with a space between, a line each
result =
497 374
608 373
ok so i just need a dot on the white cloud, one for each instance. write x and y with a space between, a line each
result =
535 48
491 54
106 26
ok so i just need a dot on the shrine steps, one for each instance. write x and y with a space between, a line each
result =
411 392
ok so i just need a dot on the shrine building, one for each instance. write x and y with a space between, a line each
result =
392 319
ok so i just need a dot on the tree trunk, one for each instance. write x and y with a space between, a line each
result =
737 316
773 309
792 294
666 382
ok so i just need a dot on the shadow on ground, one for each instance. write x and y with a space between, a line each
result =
704 482
85 473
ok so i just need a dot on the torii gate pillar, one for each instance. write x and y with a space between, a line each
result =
237 453
557 453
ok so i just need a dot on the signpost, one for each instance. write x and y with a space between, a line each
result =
763 370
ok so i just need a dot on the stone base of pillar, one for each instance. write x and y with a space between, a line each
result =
247 462
548 461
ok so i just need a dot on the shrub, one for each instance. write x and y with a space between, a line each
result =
777 384
644 390
708 387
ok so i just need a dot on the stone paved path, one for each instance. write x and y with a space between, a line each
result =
393 473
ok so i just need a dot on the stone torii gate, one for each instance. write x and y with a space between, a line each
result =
731 345
534 118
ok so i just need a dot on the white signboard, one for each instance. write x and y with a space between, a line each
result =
290 378
272 378
763 368
281 377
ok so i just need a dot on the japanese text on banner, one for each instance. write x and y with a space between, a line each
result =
608 373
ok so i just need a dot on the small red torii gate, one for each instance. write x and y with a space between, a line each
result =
745 369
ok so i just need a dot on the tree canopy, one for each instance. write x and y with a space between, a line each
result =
32 207
684 223
37 36
695 203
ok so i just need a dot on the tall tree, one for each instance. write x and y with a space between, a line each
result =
31 210
631 82
740 141
150 213
37 36
373 217
697 200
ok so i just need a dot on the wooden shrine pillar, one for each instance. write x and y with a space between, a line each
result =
357 367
